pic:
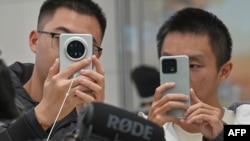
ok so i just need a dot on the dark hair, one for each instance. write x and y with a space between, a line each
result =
87 7
146 79
198 21
8 108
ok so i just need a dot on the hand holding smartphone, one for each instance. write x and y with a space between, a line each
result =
176 69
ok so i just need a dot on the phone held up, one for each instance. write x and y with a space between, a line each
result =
73 48
176 69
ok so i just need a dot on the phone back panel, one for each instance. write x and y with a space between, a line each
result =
66 48
176 69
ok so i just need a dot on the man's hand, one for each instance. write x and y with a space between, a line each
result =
57 85
205 118
163 104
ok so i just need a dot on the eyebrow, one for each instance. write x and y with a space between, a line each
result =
196 57
166 54
63 29
191 57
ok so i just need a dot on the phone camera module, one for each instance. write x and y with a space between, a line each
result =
75 49
169 66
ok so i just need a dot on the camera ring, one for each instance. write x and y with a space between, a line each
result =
83 42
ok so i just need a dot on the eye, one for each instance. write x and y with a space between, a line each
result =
56 37
194 66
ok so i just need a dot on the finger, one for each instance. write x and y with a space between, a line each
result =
159 115
81 87
96 89
85 97
171 97
74 67
159 90
97 65
53 69
172 105
203 118
202 111
96 77
198 107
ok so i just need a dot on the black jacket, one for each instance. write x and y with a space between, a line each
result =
26 126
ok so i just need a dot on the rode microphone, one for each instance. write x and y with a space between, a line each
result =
102 122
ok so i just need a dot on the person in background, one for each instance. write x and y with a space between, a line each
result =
8 109
41 88
205 39
146 80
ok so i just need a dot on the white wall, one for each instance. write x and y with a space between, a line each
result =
19 17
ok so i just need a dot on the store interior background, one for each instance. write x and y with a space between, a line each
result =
130 40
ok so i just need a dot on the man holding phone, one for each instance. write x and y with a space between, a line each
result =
41 88
207 42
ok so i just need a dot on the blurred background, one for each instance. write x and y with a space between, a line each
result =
130 41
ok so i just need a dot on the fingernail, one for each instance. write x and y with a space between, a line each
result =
172 83
81 80
88 60
56 61
83 71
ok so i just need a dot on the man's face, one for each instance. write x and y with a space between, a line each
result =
204 78
63 21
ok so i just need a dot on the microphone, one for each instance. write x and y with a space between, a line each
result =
103 122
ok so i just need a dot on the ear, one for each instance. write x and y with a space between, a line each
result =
99 55
33 39
225 71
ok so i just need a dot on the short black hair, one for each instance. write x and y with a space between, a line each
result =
87 7
146 79
200 22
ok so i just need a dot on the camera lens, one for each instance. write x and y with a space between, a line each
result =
76 49
169 66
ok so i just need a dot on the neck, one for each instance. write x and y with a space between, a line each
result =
34 87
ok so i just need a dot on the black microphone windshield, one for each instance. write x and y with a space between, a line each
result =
103 122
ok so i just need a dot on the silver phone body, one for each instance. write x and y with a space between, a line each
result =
176 69
73 48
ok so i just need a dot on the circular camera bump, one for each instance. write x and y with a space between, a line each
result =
75 49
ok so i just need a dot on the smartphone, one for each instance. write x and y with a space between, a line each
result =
176 69
73 48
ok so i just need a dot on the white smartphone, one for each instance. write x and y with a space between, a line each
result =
74 47
176 69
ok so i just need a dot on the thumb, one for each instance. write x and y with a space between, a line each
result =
53 69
